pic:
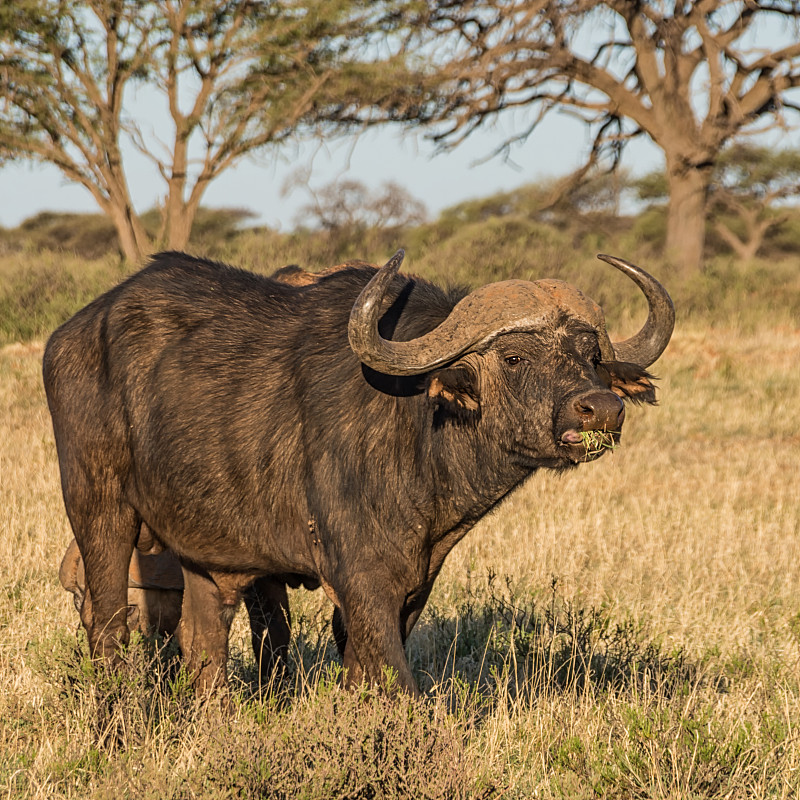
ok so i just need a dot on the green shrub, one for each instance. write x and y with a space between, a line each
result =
470 245
37 297
87 235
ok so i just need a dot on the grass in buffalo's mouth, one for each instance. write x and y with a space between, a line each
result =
597 441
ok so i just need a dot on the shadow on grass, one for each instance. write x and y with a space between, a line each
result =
501 641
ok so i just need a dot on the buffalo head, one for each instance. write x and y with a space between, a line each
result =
532 359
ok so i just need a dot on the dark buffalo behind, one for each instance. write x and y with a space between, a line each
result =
267 439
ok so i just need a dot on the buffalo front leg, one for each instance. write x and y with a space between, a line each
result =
268 608
203 631
374 646
339 630
353 671
411 613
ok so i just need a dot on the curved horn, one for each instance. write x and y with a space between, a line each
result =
478 317
646 346
362 330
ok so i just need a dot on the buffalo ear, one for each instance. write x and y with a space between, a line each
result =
454 390
629 381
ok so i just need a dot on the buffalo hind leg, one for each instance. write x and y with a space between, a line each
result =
270 624
105 528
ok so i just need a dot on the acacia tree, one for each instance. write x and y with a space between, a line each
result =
234 75
750 183
351 205
684 72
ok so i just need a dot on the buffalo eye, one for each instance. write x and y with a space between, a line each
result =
512 361
592 348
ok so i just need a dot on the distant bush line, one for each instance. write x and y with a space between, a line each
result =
53 264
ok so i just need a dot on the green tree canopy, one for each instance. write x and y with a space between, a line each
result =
235 76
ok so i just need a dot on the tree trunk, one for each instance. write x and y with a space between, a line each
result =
178 234
686 217
177 226
181 213
133 239
732 240
745 249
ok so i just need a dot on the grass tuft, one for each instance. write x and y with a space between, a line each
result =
596 442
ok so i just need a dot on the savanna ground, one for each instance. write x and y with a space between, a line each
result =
630 629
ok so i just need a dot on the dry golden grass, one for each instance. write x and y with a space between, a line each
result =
629 629
693 522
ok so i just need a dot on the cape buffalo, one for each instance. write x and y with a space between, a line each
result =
342 433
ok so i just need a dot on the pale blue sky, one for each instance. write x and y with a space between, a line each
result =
377 156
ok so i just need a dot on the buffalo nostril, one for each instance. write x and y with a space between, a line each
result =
602 410
585 407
